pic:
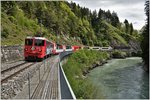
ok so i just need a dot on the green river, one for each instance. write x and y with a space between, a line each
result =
120 79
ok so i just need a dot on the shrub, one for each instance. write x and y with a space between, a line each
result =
119 54
12 19
5 33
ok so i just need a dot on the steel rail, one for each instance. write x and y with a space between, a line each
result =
14 74
8 69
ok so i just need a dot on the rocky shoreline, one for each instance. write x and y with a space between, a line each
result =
101 63
145 67
96 64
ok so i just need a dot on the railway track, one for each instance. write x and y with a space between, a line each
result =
8 69
48 86
14 71
10 62
13 80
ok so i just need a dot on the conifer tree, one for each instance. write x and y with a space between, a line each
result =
145 41
126 26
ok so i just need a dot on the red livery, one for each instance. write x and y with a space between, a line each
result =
37 47
40 47
75 48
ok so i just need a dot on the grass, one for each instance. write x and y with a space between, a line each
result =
77 63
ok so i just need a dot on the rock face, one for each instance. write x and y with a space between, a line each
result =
135 45
115 43
11 53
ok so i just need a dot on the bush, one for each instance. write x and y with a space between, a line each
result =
119 54
5 33
12 19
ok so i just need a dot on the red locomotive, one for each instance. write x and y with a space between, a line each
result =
37 47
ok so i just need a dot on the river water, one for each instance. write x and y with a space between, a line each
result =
120 79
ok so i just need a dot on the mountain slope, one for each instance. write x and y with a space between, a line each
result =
60 21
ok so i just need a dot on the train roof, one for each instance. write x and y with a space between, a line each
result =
41 38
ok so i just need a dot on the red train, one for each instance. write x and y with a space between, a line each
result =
40 47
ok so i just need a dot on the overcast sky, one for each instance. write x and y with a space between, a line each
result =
132 10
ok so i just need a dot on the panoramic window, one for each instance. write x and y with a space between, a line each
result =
68 47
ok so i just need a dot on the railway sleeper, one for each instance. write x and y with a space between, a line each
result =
22 79
14 85
5 95
19 84
3 87
10 92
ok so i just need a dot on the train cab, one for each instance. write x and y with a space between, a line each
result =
36 48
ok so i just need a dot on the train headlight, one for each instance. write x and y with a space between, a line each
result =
40 50
25 49
33 48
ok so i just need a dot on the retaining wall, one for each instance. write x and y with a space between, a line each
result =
11 53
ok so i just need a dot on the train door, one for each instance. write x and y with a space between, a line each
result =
48 48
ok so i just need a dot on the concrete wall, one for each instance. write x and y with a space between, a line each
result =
11 53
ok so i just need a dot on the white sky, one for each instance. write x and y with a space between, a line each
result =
132 10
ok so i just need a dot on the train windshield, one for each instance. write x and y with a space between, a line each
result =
28 42
39 42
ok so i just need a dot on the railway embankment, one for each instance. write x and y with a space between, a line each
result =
78 65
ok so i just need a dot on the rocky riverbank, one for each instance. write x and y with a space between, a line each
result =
94 65
145 67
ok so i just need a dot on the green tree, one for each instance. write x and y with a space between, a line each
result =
131 28
114 19
94 18
145 41
100 14
126 26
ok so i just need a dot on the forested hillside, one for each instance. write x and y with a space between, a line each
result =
145 38
65 23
